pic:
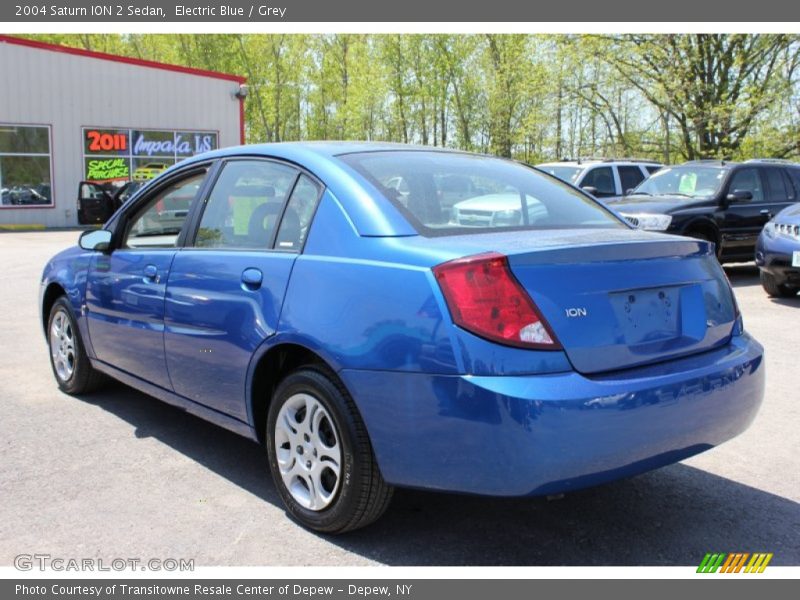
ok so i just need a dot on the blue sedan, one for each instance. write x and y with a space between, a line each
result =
382 315
778 253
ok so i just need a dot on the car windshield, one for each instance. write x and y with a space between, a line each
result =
683 182
568 174
448 193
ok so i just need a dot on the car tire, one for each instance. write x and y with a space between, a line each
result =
320 455
775 289
71 366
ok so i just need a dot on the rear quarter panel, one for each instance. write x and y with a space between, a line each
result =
360 305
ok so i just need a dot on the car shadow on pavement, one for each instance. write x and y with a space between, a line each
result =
742 274
745 275
672 516
795 301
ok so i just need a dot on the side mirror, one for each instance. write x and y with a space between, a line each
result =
96 240
589 189
629 191
739 196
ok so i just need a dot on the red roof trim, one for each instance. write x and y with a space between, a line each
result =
120 59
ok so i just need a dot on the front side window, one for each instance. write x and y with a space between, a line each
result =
245 205
450 193
159 223
25 166
747 180
602 180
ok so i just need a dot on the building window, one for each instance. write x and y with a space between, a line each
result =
25 166
115 156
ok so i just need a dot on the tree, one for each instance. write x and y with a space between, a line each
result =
532 97
714 86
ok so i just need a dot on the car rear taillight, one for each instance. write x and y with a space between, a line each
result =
486 299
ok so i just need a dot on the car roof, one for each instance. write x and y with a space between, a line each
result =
731 164
600 161
327 149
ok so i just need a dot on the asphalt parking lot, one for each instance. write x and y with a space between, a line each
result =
118 474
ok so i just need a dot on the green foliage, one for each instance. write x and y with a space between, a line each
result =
670 97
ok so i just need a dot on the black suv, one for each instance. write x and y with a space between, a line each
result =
723 202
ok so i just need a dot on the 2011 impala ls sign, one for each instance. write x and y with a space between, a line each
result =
179 145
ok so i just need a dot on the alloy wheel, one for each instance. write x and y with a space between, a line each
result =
308 451
62 345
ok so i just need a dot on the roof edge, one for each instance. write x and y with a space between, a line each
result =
139 62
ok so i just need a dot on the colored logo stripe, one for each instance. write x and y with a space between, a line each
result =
734 562
711 563
758 563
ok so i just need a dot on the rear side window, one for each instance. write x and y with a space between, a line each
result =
794 175
630 177
245 205
449 193
791 187
602 180
777 185
297 217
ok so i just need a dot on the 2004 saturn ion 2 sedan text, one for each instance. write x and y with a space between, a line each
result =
340 304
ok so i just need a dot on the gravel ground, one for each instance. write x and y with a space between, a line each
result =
119 474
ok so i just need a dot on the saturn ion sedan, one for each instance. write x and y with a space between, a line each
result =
340 304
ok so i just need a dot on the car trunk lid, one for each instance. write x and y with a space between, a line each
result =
628 301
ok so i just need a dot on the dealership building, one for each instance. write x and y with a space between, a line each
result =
70 115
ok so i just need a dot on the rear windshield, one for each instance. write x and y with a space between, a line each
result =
447 193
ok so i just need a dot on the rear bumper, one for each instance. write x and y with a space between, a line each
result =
534 435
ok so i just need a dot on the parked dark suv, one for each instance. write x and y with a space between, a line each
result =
724 202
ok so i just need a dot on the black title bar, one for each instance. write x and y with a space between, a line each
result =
734 587
490 11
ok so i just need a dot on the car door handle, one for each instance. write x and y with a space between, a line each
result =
767 212
151 272
252 278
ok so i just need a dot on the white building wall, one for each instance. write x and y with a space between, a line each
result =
69 92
